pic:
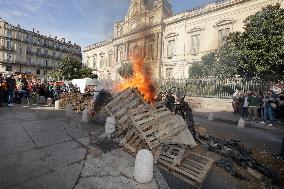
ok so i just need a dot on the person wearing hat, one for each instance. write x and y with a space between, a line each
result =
11 86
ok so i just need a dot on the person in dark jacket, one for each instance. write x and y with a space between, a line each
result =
11 86
254 104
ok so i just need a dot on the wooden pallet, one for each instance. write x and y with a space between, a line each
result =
173 153
133 142
193 168
127 99
156 123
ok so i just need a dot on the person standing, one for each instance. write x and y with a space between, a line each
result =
254 103
244 105
269 103
11 86
2 86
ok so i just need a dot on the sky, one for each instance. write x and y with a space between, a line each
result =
84 22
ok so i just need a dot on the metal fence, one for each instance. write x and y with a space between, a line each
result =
211 88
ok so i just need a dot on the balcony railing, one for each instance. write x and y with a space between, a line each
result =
28 64
5 48
44 45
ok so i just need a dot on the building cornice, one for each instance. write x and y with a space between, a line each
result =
37 34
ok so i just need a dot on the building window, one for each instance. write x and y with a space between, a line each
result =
20 49
38 71
151 20
94 60
110 59
29 60
171 48
88 61
8 68
9 44
136 52
120 56
102 62
195 43
45 52
222 35
46 63
9 56
44 72
169 73
9 33
150 50
38 51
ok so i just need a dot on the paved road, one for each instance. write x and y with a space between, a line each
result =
40 149
259 139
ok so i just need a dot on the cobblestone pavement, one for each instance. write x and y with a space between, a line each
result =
40 148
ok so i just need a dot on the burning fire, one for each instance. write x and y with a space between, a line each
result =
141 79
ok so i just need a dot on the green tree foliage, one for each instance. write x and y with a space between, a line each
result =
71 68
125 70
204 68
259 50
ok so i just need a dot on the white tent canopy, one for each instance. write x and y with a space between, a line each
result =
82 83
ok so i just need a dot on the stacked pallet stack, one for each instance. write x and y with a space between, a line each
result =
143 126
79 101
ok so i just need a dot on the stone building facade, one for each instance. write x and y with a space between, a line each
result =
169 43
29 52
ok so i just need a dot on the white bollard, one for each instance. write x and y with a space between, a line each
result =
109 125
85 115
211 117
57 105
49 101
69 110
143 170
241 123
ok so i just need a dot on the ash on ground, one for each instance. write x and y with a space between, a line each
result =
107 143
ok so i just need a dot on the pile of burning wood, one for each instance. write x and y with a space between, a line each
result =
79 101
143 126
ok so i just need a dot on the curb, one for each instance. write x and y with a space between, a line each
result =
248 124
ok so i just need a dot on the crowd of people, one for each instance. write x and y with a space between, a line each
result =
266 108
14 90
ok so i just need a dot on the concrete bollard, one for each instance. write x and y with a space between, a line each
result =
57 105
69 110
241 123
109 125
143 169
49 101
85 115
211 117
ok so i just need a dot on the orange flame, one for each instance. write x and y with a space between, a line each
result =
141 79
